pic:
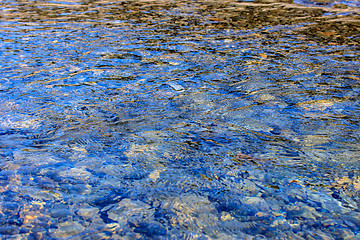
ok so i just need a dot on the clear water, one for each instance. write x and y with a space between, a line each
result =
154 120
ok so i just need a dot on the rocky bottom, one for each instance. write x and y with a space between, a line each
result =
242 199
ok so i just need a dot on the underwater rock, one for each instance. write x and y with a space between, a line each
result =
327 202
193 212
330 222
76 173
60 213
10 208
256 202
302 211
176 86
9 230
318 234
68 229
128 208
87 212
353 217
46 183
343 233
150 230
281 223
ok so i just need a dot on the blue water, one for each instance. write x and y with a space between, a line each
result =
145 121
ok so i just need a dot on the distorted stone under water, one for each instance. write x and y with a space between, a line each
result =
179 119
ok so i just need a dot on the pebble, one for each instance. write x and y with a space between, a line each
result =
225 216
247 185
9 230
302 211
321 235
47 183
60 213
343 233
76 173
11 208
149 229
191 211
353 217
68 229
281 223
176 86
330 204
257 202
87 212
128 208
329 222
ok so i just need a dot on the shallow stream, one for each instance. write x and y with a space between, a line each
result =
179 119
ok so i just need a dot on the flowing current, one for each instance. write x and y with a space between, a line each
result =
179 119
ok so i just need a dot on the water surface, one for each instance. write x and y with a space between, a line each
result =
179 120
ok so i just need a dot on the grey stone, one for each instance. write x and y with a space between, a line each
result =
191 211
176 86
353 217
321 235
302 211
68 229
87 212
9 230
10 208
256 202
129 208
330 204
281 223
149 229
343 233
60 213
330 222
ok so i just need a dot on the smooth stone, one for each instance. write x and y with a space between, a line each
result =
128 208
293 236
343 233
68 229
149 229
353 217
191 211
328 203
247 185
60 213
225 216
47 183
176 86
351 225
302 211
321 235
9 230
112 227
188 204
10 208
87 212
329 222
234 226
281 223
76 173
256 202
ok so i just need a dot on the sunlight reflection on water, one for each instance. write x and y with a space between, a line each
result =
178 120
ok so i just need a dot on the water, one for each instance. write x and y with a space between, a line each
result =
180 120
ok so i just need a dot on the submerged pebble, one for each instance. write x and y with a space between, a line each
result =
67 229
128 209
87 212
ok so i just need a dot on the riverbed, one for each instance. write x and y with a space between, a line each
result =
180 119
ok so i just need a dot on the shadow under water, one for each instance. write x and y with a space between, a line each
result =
179 119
